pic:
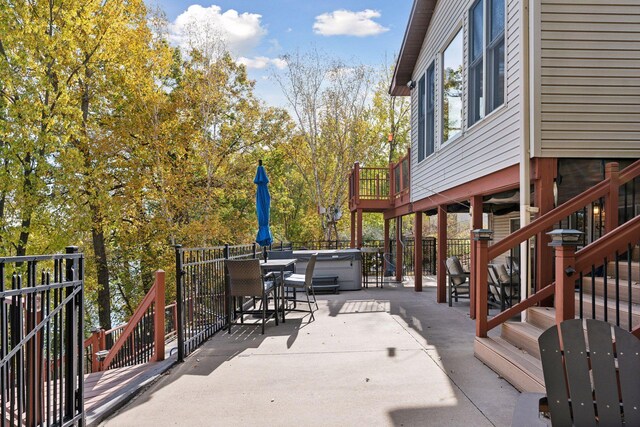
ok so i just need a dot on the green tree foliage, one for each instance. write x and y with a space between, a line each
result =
113 140
391 119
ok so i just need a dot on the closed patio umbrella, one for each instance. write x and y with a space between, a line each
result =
263 206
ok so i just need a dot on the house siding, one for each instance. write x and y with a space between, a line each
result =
501 225
588 79
489 145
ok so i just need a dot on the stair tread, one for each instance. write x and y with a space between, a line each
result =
519 368
622 286
623 269
525 328
522 335
599 300
542 317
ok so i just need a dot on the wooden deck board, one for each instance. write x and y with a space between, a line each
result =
105 391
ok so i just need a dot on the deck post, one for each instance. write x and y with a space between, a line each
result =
100 343
392 184
159 317
356 182
417 232
545 172
399 249
387 246
565 242
353 230
35 389
611 200
359 227
476 223
441 255
481 239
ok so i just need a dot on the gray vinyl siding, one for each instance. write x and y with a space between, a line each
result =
500 224
489 145
588 78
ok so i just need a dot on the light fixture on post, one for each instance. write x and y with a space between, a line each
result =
411 84
482 234
101 356
565 237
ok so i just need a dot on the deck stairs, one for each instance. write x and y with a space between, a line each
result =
512 352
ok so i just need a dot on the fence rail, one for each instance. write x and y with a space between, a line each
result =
200 292
41 345
455 247
201 280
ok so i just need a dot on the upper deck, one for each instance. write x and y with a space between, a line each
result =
380 189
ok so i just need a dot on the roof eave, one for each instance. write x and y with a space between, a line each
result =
414 35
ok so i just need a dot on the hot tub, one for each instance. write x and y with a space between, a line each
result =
345 263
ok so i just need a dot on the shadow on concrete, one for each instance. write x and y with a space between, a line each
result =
445 334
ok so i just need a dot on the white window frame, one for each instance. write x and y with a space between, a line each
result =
458 29
485 30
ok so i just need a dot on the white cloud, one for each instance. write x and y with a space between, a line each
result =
347 23
260 62
238 32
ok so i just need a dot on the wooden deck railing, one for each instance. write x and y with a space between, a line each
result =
605 193
389 185
141 339
401 177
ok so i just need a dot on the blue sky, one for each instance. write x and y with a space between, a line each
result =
258 32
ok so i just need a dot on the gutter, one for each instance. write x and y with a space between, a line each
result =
525 145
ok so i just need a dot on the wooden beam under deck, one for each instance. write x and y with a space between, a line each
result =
502 180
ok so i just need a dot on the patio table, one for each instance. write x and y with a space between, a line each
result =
278 265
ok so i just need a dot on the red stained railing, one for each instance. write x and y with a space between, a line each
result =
141 339
606 191
390 184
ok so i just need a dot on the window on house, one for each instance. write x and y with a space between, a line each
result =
430 131
452 89
421 118
475 62
495 54
489 15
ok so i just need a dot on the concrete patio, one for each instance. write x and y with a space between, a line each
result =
376 357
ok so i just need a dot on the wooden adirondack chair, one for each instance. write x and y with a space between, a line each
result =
592 377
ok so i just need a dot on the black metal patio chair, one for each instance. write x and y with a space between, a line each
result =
303 282
246 280
458 280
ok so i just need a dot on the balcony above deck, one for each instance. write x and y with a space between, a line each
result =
380 189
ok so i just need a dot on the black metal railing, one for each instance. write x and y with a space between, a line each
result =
41 339
611 292
200 292
458 247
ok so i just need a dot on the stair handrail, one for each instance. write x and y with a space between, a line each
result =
544 222
154 296
615 241
547 220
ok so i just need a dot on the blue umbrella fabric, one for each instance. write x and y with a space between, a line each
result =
263 207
